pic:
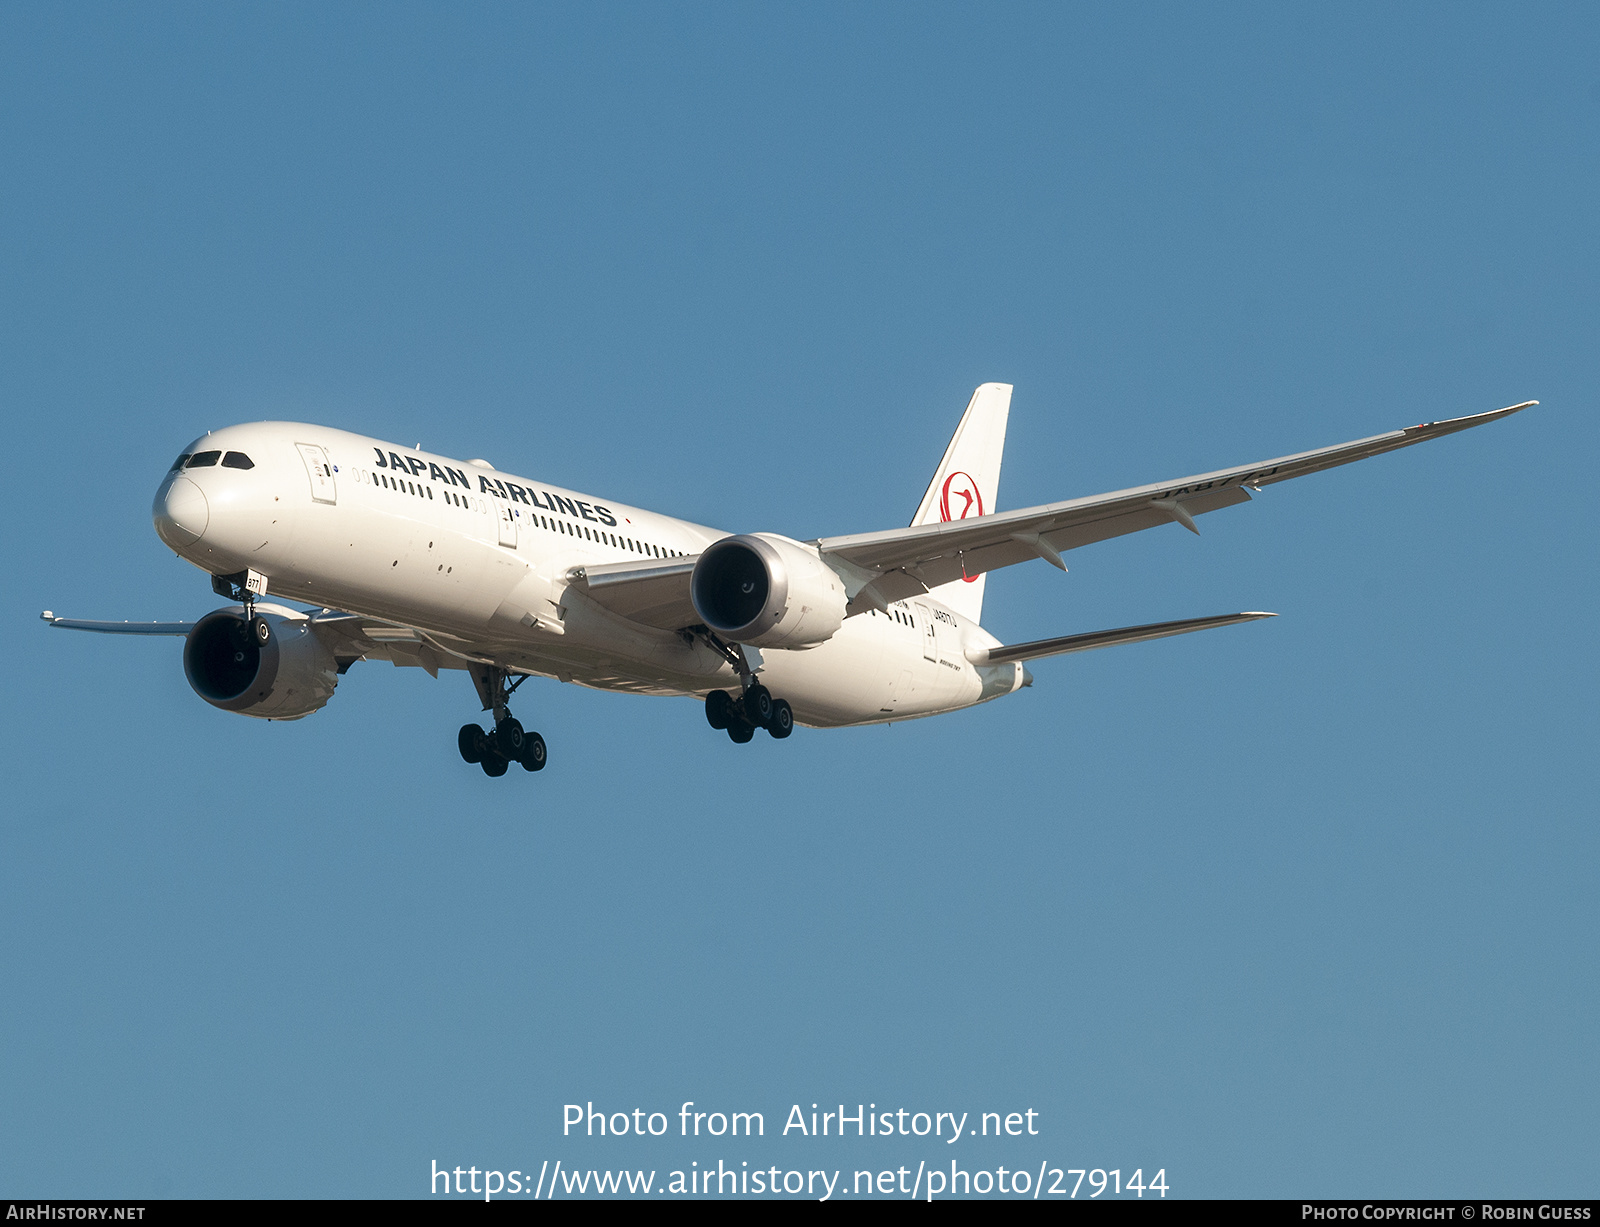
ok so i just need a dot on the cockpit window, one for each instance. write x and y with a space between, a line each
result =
237 460
201 460
178 463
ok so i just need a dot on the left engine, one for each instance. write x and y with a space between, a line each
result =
767 591
272 666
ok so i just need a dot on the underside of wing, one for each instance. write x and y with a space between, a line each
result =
902 562
351 637
653 594
1104 639
118 628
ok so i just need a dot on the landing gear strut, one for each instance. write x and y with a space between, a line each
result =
244 586
509 742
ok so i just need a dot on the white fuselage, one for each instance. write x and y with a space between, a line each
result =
479 560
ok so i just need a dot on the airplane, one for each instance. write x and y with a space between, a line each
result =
426 561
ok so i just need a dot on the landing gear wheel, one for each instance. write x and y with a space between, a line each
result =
470 742
534 755
758 705
494 765
719 709
782 722
260 630
509 738
739 732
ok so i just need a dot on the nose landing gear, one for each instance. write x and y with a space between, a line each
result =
509 742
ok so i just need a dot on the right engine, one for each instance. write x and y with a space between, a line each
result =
272 666
767 591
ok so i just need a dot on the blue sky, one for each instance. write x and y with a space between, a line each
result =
1300 908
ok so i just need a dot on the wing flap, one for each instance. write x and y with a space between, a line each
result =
1105 639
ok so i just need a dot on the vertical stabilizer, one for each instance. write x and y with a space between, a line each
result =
967 483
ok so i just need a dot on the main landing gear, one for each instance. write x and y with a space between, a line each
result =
741 717
754 709
508 743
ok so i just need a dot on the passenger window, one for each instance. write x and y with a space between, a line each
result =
203 460
178 463
237 460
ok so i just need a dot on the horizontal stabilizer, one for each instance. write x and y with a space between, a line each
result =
1104 639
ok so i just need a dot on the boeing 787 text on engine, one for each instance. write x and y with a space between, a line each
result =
423 560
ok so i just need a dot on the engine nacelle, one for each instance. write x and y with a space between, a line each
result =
767 591
275 667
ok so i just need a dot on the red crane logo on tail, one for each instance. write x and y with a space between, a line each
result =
960 486
962 490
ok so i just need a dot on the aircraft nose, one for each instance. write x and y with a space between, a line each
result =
181 513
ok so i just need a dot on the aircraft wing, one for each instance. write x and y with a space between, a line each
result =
350 638
1104 639
119 628
654 593
902 562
